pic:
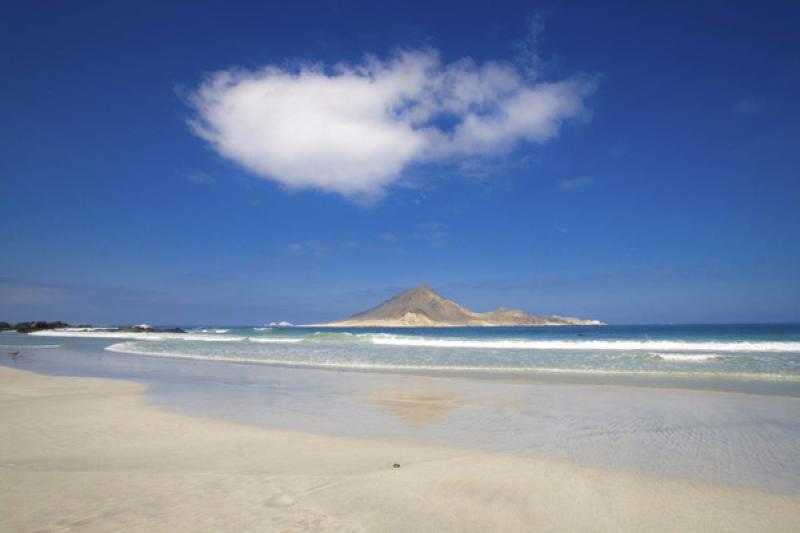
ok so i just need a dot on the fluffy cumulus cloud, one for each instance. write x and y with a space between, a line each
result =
353 129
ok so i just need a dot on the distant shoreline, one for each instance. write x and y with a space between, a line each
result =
343 325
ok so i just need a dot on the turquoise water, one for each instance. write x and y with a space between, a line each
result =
691 421
748 351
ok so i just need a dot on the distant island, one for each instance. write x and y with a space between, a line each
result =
424 307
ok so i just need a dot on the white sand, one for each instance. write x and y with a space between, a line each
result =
90 455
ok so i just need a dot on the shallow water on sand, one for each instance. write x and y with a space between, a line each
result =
751 352
671 428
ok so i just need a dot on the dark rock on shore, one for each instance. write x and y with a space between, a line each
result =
38 325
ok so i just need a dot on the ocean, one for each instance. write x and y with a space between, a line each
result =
708 403
756 352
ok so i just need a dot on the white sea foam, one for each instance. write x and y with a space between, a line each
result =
105 334
629 345
670 348
147 336
275 340
131 348
688 358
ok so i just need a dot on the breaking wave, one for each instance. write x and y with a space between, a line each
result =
132 348
478 350
689 358
667 348
599 345
145 336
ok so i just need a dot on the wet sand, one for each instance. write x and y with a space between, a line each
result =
90 454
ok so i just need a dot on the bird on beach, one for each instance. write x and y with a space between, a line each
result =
13 355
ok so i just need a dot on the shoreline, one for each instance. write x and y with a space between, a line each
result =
705 363
92 453
756 384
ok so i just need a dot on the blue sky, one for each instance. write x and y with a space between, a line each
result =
631 162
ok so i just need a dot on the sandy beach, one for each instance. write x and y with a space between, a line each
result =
90 454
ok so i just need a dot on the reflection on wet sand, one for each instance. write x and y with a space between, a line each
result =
419 407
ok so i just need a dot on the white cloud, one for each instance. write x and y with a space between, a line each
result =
353 129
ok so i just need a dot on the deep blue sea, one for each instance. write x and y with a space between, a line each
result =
765 352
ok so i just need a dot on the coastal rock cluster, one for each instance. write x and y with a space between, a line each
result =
36 325
40 325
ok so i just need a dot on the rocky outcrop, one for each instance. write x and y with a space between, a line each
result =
39 325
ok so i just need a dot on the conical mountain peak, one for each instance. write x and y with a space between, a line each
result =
420 290
421 306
